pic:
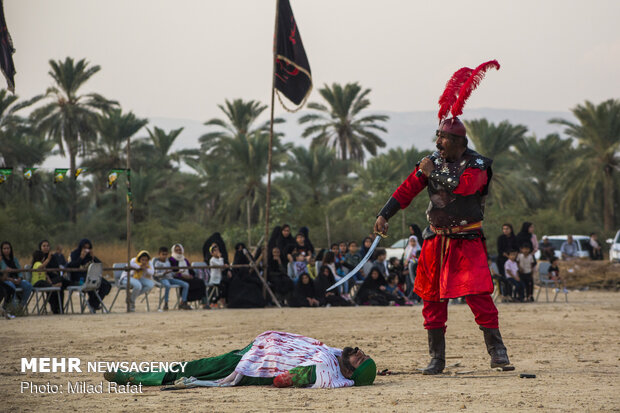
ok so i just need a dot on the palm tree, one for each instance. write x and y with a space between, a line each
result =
70 118
595 169
341 125
240 119
114 129
163 142
498 143
543 160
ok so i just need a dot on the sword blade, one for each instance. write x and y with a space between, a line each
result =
359 266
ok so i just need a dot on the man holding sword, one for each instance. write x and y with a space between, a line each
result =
453 260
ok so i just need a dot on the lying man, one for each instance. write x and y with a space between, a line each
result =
281 359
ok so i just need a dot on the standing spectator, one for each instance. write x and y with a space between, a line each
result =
569 249
197 287
312 271
140 278
52 261
304 294
14 280
527 263
547 252
381 261
165 276
417 232
59 256
351 259
82 257
596 252
410 263
526 235
505 243
285 240
511 268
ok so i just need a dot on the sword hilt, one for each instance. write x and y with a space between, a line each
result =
382 235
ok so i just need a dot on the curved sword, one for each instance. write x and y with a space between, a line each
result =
361 264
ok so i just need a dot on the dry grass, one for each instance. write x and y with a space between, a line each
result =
592 274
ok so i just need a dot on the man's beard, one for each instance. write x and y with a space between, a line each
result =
346 355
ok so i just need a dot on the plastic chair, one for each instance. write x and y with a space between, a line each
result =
91 284
546 282
117 278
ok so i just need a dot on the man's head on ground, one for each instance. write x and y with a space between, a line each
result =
353 247
357 366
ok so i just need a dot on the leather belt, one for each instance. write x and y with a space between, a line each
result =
456 230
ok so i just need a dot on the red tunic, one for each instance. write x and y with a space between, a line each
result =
449 267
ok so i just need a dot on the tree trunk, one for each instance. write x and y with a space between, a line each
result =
72 186
608 201
327 230
247 204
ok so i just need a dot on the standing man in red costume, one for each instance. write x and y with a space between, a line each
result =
453 261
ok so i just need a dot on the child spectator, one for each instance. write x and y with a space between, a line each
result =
39 278
167 280
381 261
300 266
527 262
140 277
392 288
312 267
351 259
59 257
511 268
299 247
554 274
197 287
14 280
304 294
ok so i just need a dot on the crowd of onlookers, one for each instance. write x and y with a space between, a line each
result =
298 274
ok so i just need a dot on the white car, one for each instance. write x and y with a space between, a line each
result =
614 248
557 240
397 249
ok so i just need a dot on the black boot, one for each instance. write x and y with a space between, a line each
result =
437 350
496 348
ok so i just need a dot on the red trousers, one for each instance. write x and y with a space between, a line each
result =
436 312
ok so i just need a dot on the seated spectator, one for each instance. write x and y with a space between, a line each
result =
41 279
595 250
511 269
351 259
380 261
299 248
60 257
167 280
366 243
312 267
306 232
323 281
392 287
304 294
277 277
373 290
140 277
554 274
197 288
410 264
329 262
547 252
51 261
504 289
82 257
282 239
300 266
569 249
243 289
14 280
6 296
527 263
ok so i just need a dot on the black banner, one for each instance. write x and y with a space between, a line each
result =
6 52
292 73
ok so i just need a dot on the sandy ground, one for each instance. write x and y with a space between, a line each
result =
573 349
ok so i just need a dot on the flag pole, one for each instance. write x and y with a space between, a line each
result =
268 195
128 177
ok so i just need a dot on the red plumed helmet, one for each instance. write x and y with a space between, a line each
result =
457 91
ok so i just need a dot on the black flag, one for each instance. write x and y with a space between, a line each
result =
292 72
6 52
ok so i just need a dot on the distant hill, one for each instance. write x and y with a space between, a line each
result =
404 128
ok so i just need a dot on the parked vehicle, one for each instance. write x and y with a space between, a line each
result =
582 242
397 249
614 248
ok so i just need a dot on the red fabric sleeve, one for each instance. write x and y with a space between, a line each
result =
472 181
412 186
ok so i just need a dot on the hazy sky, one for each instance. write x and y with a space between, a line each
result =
179 58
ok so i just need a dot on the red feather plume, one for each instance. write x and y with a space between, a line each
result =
450 94
472 83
